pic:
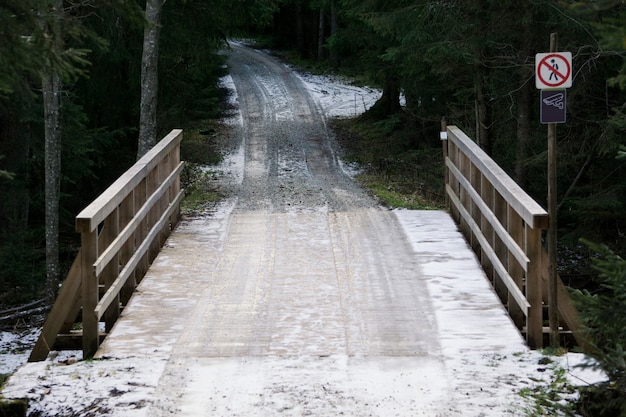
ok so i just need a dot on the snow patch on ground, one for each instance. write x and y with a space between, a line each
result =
15 348
337 97
120 387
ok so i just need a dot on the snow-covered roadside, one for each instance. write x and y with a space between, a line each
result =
336 97
490 370
15 347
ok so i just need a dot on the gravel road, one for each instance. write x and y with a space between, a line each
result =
290 159
304 297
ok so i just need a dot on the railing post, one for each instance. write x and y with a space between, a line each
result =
534 321
141 194
443 135
515 227
110 231
89 253
152 184
175 189
127 211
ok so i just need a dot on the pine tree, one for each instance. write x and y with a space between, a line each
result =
603 315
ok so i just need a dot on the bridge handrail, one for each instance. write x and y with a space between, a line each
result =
122 231
503 224
530 211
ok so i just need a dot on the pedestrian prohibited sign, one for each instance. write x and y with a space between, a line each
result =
553 70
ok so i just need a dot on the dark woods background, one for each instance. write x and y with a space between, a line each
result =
471 61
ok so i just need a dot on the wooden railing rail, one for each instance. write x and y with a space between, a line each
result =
503 225
122 232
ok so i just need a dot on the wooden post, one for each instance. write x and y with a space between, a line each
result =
534 321
109 275
553 309
127 212
89 253
515 228
443 135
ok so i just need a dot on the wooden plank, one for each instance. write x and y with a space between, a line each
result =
515 226
567 311
506 279
154 156
110 252
119 283
534 323
61 310
153 213
92 215
528 208
513 247
127 212
89 252
89 218
110 231
141 231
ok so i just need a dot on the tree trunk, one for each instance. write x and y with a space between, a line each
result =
300 36
149 78
52 114
389 102
320 37
334 28
483 136
14 158
51 92
523 131
524 109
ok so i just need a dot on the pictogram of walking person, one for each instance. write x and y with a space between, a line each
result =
555 68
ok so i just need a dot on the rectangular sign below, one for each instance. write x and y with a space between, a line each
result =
553 106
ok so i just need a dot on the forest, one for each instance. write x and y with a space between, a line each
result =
87 86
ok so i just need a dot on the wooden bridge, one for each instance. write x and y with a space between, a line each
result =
123 230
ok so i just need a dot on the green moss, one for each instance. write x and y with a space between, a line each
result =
200 189
13 408
388 194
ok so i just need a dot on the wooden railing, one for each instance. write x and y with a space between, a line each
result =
503 225
122 232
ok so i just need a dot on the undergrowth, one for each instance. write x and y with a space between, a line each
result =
199 150
397 166
555 397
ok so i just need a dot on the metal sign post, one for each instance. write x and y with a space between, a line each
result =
553 71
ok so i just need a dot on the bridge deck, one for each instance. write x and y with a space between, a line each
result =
286 284
257 311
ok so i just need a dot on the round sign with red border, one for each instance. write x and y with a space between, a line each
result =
553 70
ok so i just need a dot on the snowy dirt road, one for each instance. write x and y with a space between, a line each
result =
311 304
298 295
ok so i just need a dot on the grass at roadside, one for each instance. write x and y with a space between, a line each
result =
395 166
200 150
